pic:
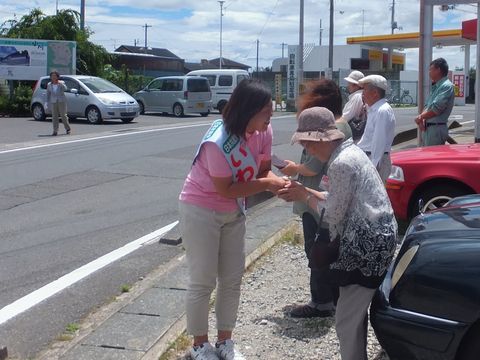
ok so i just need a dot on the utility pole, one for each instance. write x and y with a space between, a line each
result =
321 32
221 30
394 26
135 42
258 43
56 7
82 15
146 30
363 21
330 40
300 46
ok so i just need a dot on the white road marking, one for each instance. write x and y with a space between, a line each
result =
117 135
467 122
39 295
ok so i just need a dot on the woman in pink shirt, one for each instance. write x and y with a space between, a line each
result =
232 162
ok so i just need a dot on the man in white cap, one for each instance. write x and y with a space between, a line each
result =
380 129
354 110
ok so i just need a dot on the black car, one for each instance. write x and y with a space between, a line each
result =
428 306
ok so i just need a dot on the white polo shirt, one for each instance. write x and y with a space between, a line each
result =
379 131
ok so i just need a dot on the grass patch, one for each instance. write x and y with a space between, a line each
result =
292 237
176 348
69 333
125 288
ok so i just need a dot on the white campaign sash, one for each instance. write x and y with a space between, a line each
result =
236 152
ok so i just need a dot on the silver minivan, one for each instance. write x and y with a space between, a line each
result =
87 97
176 94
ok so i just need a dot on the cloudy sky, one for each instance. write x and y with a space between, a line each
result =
191 28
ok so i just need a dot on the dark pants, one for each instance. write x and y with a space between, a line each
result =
321 289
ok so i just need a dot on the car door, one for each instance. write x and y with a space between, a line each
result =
78 99
152 95
172 91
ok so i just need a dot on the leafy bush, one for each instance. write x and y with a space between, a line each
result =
19 104
124 79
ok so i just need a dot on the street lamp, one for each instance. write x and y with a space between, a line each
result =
221 29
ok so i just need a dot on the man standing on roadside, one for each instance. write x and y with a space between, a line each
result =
433 120
377 139
354 110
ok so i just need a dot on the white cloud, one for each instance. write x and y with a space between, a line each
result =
190 28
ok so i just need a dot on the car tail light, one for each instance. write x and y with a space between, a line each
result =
402 264
185 95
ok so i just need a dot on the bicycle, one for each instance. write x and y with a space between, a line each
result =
404 99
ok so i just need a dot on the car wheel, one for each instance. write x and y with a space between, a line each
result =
93 115
469 348
435 197
220 106
142 107
127 120
177 110
38 112
205 114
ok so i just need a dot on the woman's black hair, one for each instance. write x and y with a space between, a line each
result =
248 99
56 73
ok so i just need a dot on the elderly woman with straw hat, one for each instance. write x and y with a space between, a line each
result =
359 214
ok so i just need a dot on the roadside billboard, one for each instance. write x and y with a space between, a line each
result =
28 59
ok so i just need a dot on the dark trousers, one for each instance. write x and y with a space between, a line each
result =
321 289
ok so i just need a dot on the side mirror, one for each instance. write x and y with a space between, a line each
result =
74 91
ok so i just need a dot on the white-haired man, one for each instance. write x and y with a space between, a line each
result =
380 129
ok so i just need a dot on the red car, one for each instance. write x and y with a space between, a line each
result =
433 174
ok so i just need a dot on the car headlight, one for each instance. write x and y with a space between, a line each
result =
107 101
396 173
402 264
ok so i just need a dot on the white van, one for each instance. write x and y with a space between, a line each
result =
222 83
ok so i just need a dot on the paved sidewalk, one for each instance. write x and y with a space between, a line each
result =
143 326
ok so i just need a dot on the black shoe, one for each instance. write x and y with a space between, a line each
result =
54 133
306 311
68 132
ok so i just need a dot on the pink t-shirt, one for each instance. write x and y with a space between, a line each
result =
198 188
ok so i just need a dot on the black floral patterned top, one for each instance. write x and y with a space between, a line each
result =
359 211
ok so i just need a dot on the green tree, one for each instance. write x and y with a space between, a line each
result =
65 25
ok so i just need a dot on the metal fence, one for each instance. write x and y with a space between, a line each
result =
402 93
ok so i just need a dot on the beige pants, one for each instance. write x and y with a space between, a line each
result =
215 250
59 108
351 321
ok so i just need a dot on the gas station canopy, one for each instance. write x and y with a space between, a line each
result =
456 37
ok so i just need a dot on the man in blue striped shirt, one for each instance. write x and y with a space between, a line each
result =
433 120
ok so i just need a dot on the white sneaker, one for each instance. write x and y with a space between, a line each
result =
226 351
203 352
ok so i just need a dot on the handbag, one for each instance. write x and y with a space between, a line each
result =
358 125
324 251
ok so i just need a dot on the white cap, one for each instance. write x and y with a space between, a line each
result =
375 80
354 76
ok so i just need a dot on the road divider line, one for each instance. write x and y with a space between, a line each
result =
39 295
117 135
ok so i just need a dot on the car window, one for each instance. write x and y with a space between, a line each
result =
73 84
172 85
240 78
211 79
155 85
198 85
44 83
225 80
99 85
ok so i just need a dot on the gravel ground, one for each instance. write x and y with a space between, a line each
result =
264 329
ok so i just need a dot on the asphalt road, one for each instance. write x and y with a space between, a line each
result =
68 200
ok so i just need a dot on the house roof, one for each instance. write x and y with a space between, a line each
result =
229 63
142 50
